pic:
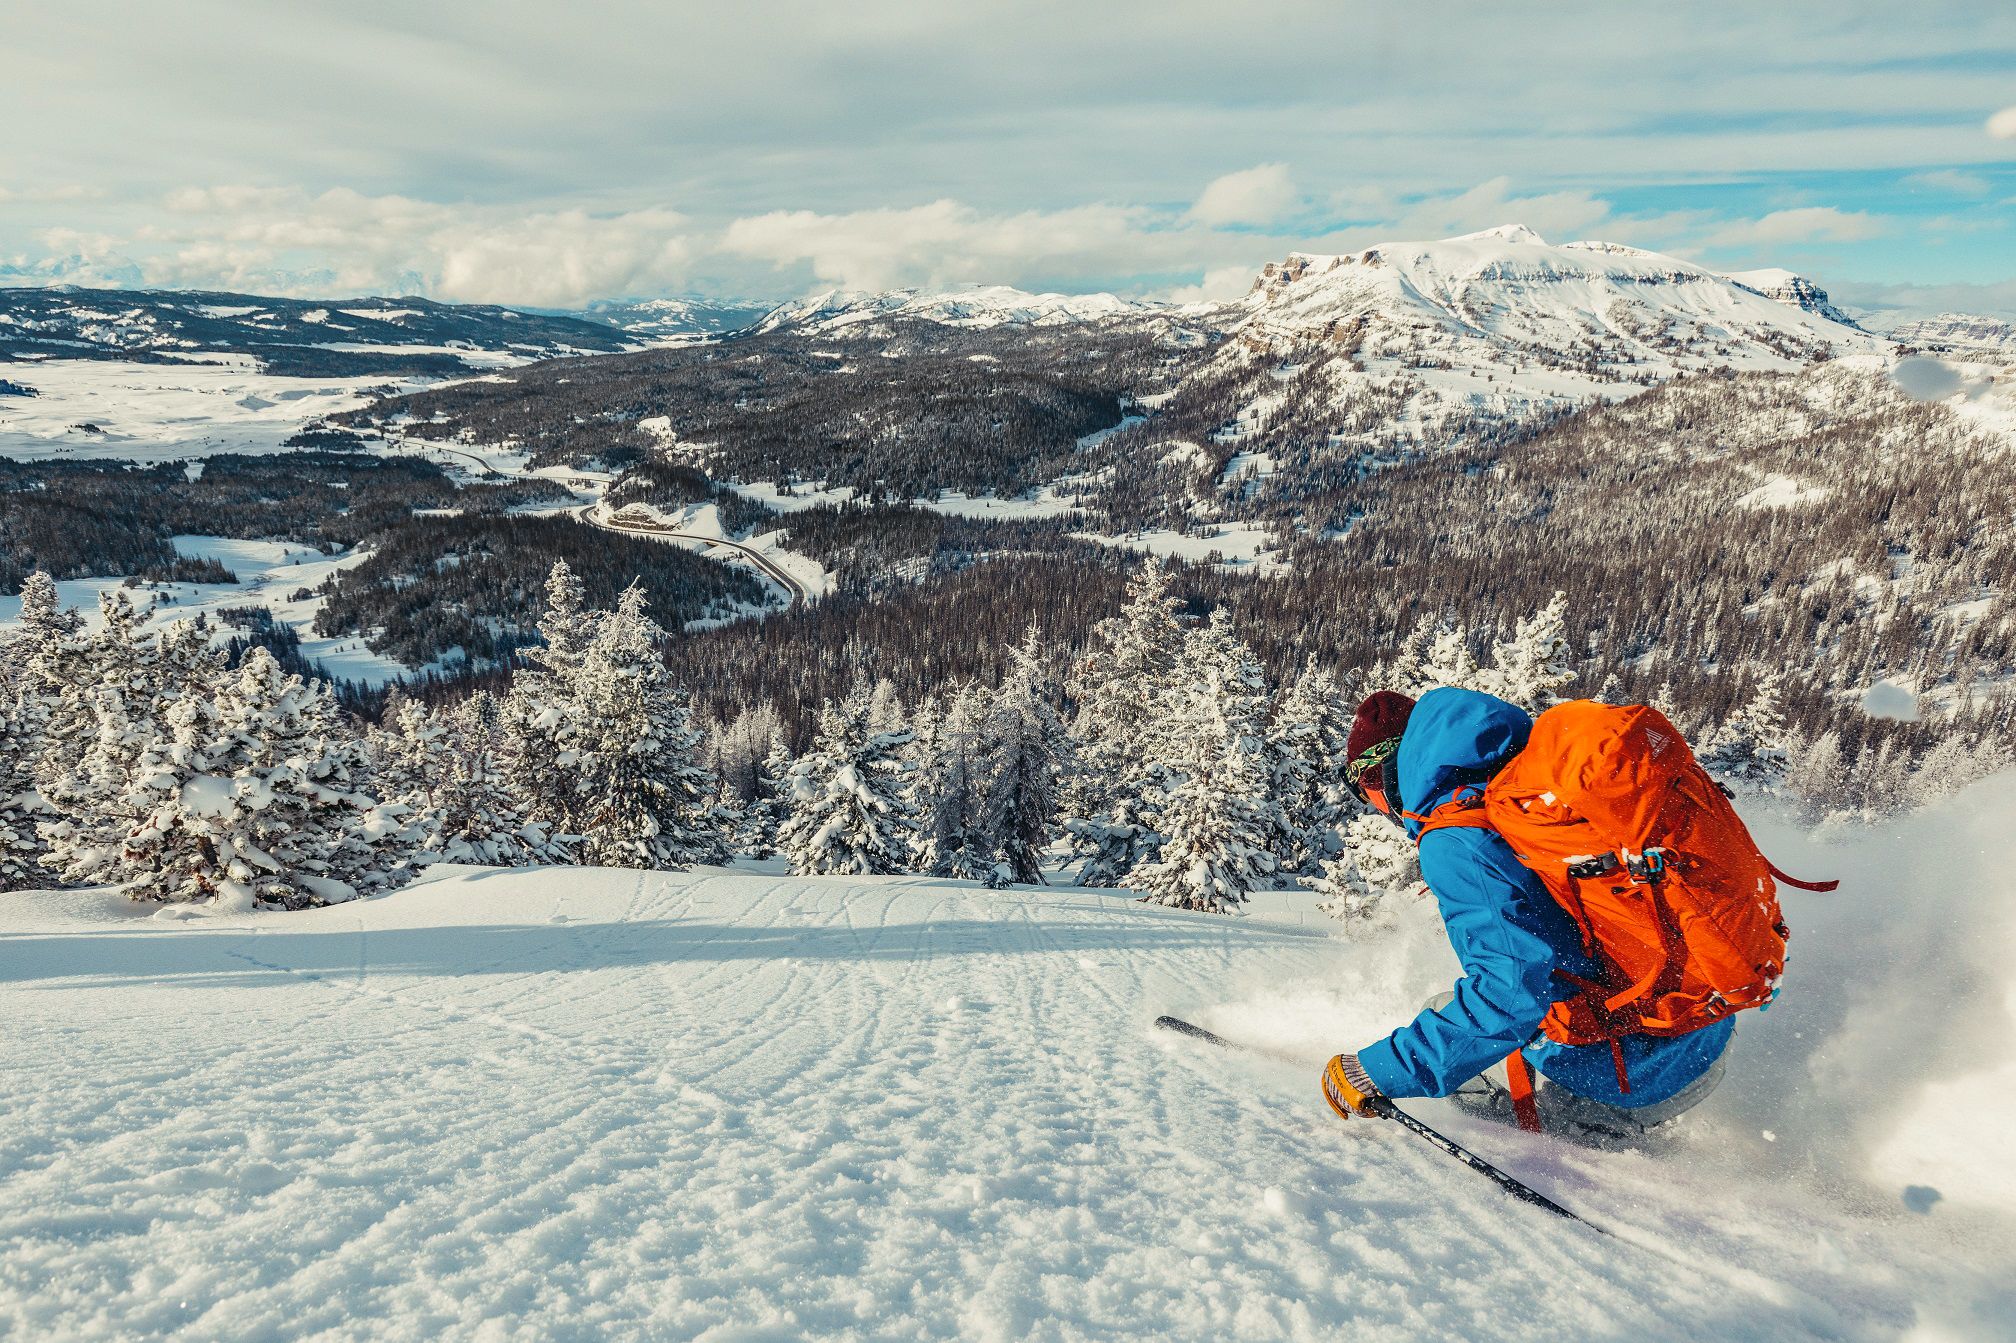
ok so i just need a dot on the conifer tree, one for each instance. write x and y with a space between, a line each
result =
1122 686
1373 868
1220 818
1026 758
33 672
953 790
1531 666
483 820
848 811
258 797
1749 749
543 711
756 832
123 678
1305 752
643 799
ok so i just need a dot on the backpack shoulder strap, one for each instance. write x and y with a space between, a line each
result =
1466 808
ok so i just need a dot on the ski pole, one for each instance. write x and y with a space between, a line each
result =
1386 1109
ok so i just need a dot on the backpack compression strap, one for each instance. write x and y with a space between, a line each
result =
1822 886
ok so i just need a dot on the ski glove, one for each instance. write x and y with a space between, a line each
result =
1349 1090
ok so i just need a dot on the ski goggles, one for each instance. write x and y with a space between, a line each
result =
1374 757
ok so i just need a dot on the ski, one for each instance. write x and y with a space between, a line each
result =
1386 1109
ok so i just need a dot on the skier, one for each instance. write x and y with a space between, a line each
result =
1520 950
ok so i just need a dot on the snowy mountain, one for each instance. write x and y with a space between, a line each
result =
654 319
1958 330
1506 295
287 335
1794 290
980 307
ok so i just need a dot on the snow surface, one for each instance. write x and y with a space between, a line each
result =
596 1104
269 574
165 412
1235 546
1782 491
982 306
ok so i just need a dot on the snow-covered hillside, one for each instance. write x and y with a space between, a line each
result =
71 323
836 311
1505 296
150 412
737 1106
1958 330
661 319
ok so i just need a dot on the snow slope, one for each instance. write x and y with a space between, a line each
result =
572 1104
1506 290
981 306
104 408
270 575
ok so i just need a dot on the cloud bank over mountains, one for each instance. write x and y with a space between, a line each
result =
491 152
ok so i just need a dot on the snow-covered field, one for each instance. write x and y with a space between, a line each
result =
1238 546
166 412
734 1105
270 574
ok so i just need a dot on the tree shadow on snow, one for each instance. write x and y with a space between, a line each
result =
274 957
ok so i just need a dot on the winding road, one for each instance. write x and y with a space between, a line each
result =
793 589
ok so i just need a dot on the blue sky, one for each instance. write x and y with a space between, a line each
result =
548 155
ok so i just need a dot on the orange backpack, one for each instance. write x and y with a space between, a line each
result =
1610 809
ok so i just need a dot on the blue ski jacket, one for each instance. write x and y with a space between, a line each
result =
1508 933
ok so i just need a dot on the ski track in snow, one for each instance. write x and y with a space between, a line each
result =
739 1105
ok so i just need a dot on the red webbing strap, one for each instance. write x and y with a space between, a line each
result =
1519 1083
1459 810
1617 1062
1794 881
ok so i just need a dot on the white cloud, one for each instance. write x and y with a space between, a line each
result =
2003 124
1219 284
1950 180
1557 216
282 240
1258 195
1806 224
947 242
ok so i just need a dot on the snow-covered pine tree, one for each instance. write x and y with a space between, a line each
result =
848 812
1027 756
258 798
22 810
32 675
543 709
1219 820
1306 736
1122 687
1214 848
410 756
1815 776
1749 750
885 707
643 797
953 790
482 818
1375 866
756 833
124 677
1449 662
740 747
1531 666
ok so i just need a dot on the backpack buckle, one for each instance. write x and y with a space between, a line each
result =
1648 867
1592 866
